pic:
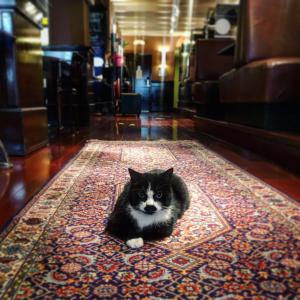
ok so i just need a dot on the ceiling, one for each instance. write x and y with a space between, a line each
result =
160 17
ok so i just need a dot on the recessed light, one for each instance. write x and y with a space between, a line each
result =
139 42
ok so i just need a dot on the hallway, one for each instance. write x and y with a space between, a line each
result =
149 149
32 172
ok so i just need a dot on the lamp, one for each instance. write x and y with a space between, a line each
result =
139 42
163 65
222 26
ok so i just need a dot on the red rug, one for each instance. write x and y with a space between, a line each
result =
240 239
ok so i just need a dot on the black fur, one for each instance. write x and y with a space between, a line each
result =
173 193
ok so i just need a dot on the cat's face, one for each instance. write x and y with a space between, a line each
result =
150 193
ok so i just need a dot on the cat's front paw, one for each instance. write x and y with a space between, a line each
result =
135 243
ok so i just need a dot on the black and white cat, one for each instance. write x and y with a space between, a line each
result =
148 207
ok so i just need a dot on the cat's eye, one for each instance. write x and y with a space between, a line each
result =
158 195
142 195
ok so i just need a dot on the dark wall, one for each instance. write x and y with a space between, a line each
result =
69 22
5 41
8 95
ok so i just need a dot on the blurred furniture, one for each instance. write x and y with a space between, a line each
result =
104 97
51 94
209 66
131 103
23 115
263 90
68 97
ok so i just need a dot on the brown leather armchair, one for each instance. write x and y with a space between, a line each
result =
209 66
264 88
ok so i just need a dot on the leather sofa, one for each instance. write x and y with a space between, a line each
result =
209 66
263 89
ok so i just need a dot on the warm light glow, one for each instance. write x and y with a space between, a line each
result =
45 36
164 49
38 17
29 40
139 42
30 8
114 28
163 66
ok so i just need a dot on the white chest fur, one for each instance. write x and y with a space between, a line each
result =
144 220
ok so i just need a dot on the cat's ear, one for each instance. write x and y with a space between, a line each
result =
167 175
135 176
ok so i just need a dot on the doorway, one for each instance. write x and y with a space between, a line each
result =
140 70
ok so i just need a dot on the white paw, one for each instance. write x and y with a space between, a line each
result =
135 243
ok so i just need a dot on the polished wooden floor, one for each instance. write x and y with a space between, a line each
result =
31 173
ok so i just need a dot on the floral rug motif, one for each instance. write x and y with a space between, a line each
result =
240 239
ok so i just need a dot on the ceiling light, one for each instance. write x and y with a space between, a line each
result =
223 26
38 17
30 8
114 28
139 42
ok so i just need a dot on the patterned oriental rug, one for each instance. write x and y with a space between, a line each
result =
240 239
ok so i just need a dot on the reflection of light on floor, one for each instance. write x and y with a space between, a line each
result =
175 130
19 191
4 182
145 133
131 125
121 123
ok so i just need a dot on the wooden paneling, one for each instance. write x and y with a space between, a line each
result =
28 63
69 22
8 95
152 47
